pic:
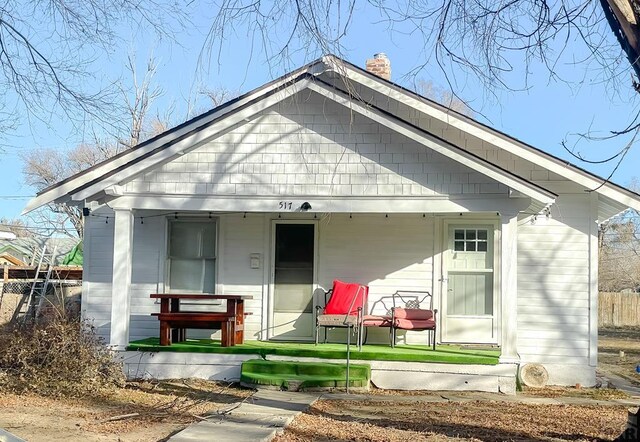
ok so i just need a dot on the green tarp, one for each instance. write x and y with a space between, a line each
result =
74 257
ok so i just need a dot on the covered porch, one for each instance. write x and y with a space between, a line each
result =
284 261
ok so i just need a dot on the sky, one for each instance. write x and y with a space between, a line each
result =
543 115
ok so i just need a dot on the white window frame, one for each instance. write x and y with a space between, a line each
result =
214 258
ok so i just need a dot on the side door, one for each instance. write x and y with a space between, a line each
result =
469 285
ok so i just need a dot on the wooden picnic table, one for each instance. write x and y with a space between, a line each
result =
174 321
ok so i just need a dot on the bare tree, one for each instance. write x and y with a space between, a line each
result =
619 247
443 96
487 38
219 95
47 49
499 42
619 267
139 99
16 226
45 167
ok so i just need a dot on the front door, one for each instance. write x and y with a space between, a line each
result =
469 303
293 280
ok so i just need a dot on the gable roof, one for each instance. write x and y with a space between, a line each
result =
12 259
489 134
104 177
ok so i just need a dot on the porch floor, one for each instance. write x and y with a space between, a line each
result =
447 354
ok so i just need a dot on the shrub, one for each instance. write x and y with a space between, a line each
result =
56 358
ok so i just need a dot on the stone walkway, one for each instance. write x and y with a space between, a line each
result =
5 436
258 418
620 383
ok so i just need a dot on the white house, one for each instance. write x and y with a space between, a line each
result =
401 193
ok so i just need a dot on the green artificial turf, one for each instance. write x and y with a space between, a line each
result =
307 374
448 354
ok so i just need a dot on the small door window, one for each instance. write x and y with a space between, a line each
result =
470 240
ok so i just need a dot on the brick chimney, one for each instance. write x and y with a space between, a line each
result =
380 65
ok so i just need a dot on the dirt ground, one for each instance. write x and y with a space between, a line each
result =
613 340
444 421
158 410
479 421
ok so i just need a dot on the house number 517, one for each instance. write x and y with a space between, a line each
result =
285 205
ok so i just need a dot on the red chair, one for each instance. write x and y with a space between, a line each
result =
345 309
413 316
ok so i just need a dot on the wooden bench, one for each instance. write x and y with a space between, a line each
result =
179 322
174 322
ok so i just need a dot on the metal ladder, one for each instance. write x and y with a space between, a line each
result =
30 305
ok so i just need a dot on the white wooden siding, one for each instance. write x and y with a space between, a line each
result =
553 284
147 276
240 237
98 272
487 151
387 254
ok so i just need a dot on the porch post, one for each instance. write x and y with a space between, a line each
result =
509 288
121 284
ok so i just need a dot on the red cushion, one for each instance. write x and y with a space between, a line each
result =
343 297
407 324
413 313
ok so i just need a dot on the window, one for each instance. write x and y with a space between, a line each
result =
192 256
470 240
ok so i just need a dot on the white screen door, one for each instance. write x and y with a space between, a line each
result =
468 285
293 280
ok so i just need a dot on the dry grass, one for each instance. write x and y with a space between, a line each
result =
599 394
58 382
613 340
437 421
58 357
157 409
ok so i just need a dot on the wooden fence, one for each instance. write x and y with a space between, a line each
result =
618 309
